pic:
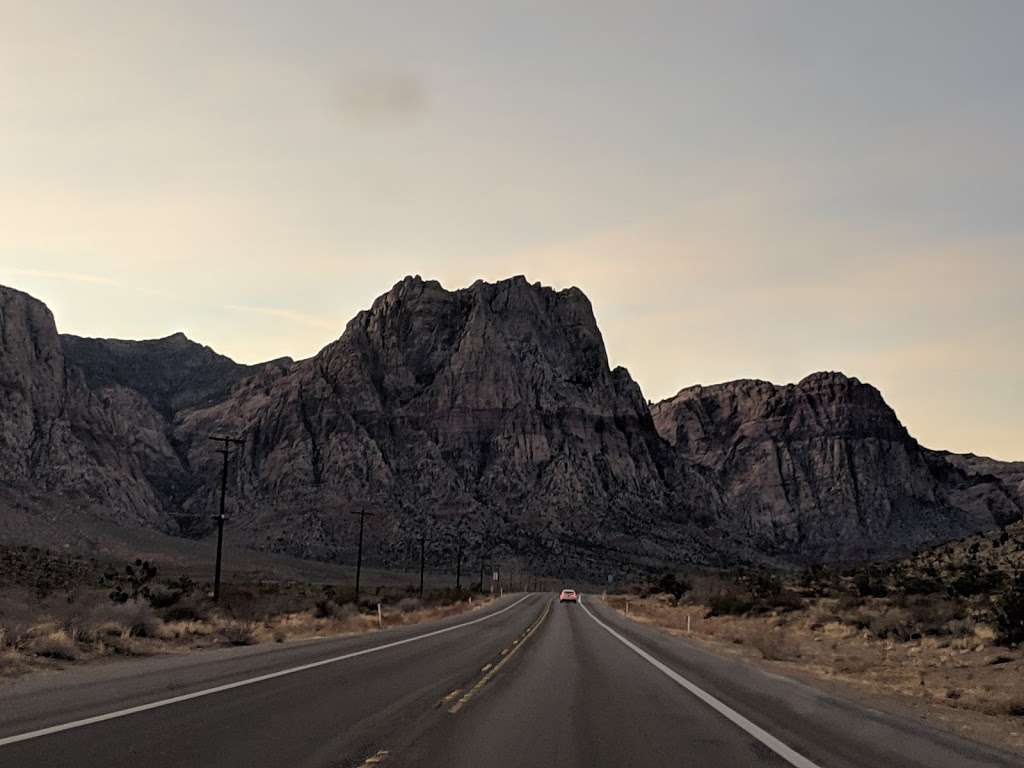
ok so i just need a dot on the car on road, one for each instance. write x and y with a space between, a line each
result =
568 596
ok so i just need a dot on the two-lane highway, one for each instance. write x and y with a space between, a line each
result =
527 682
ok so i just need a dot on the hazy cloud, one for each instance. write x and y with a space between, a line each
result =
382 97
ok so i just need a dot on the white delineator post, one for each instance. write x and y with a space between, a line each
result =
380 617
687 623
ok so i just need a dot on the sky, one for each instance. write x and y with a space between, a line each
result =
744 190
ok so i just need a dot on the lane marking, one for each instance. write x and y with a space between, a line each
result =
788 754
242 683
497 667
376 759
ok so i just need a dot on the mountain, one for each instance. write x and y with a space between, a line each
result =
487 414
1009 473
173 373
59 436
487 418
823 469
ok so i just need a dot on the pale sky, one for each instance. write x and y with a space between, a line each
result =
752 190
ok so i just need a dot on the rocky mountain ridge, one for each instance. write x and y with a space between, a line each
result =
486 418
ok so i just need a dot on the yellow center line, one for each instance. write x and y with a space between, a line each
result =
507 654
376 759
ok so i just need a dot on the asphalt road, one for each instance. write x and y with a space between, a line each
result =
528 682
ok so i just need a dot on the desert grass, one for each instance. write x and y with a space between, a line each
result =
54 632
930 653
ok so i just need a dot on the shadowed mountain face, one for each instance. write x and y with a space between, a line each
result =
172 373
487 416
823 469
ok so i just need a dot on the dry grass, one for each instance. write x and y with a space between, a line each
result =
945 661
52 632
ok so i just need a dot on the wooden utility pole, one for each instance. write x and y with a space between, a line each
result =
363 514
227 442
423 558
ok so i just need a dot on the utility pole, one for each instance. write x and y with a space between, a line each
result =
224 450
363 514
458 567
423 558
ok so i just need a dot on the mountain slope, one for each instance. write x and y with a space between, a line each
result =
823 469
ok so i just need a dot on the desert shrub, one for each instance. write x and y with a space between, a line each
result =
133 583
106 621
239 633
766 592
54 645
849 603
869 583
409 604
729 603
774 647
913 584
935 616
187 609
817 581
1009 613
895 623
328 609
973 580
671 584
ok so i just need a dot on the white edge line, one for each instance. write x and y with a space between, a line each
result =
241 683
782 750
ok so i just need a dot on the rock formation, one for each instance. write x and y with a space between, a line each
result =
823 469
486 417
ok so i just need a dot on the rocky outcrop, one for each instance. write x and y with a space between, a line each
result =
823 469
59 436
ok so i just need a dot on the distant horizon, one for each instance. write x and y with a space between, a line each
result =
612 364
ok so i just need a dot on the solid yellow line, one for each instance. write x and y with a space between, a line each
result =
520 642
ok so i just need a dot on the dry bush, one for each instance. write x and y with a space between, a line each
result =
129 619
239 633
774 646
53 645
409 604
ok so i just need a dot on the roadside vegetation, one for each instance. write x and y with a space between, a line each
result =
57 610
944 628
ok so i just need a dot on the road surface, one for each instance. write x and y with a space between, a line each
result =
526 682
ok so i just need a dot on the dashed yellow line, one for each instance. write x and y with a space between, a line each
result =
450 696
376 759
506 653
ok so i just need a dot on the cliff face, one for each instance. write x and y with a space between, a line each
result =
823 469
489 411
58 436
486 417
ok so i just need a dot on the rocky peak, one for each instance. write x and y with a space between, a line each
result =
824 468
173 373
